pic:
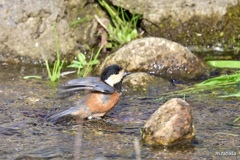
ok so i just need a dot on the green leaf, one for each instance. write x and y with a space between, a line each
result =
30 77
81 56
134 34
76 62
222 80
109 45
128 38
225 64
73 66
94 62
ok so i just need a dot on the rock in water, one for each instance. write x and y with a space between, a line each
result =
157 56
171 124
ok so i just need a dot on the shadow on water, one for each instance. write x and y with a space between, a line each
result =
25 135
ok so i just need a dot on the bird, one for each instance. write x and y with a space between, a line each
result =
105 92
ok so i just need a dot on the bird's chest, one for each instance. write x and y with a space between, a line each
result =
101 103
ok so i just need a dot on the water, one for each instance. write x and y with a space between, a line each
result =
25 135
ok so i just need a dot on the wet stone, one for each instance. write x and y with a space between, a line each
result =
169 125
159 57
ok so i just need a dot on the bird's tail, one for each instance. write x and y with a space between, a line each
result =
55 117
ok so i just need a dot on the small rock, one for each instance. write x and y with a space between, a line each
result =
171 124
140 81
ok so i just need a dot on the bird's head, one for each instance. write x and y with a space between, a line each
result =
113 76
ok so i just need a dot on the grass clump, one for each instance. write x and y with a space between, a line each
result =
58 64
219 82
223 81
83 67
123 28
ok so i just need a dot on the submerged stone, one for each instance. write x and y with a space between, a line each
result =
171 124
141 81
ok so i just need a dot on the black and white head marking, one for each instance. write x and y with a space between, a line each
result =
112 75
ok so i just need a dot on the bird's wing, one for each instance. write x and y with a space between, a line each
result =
87 83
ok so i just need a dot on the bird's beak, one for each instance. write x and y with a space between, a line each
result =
126 73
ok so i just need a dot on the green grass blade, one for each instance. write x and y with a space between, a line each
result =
57 66
78 21
225 79
224 64
30 77
237 119
48 69
233 95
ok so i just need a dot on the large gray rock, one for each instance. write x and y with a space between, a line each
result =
26 28
156 11
206 23
157 56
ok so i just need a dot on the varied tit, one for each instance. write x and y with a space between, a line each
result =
104 94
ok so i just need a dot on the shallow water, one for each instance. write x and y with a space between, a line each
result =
25 135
